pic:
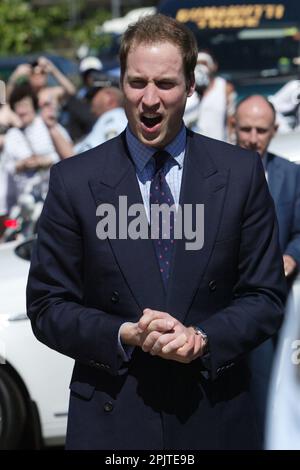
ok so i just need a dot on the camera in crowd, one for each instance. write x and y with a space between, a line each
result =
98 80
94 77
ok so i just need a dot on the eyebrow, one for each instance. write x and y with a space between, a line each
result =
245 126
168 78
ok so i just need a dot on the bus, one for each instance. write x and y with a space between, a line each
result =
256 42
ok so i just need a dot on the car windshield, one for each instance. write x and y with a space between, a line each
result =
268 52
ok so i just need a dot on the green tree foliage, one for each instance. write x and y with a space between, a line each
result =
25 28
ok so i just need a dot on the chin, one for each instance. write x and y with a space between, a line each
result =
149 143
149 140
158 141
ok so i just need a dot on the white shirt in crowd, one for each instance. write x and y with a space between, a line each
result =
3 187
108 125
287 105
20 144
210 113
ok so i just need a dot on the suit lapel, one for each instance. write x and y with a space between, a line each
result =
275 177
202 184
136 258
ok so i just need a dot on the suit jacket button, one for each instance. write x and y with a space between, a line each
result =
108 406
115 297
212 285
92 363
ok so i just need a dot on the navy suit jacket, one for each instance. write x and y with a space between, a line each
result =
284 185
81 289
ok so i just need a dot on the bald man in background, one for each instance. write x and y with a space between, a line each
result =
255 127
255 124
107 106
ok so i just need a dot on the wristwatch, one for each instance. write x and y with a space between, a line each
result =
200 332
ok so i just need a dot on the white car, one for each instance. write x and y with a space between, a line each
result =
34 380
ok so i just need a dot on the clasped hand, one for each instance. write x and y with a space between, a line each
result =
160 334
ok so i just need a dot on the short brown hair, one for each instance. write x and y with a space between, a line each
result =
152 29
19 92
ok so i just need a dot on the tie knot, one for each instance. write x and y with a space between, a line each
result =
160 158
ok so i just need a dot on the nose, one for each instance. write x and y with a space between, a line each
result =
253 136
150 96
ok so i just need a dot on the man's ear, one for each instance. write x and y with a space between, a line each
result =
191 86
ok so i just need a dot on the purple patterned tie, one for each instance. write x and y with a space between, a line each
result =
160 193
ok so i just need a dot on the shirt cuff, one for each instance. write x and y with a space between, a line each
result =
124 351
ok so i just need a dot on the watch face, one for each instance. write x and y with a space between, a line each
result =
198 331
204 337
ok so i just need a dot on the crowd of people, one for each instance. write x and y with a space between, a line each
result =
215 347
41 124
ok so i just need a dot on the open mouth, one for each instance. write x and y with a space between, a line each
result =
151 121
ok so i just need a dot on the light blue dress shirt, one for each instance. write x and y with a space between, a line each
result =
145 166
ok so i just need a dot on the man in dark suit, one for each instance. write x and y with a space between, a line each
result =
255 128
159 328
255 123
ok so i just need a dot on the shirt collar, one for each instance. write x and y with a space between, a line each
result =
141 154
264 159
